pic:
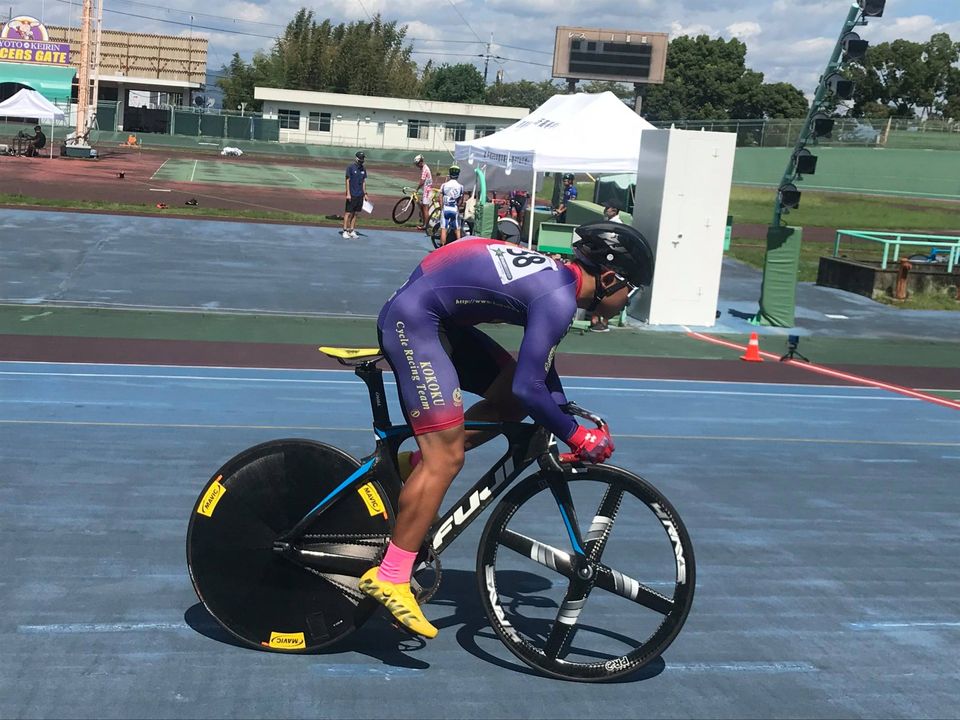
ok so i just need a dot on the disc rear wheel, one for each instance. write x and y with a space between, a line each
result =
301 595
595 616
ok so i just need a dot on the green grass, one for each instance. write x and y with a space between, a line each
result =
183 210
930 301
846 211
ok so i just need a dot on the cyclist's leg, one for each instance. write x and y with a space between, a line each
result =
486 369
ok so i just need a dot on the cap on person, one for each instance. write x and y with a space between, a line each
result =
361 156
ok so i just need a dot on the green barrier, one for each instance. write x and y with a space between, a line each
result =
485 219
212 126
778 294
185 123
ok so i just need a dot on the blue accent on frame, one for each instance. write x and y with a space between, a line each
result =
573 537
357 473
392 431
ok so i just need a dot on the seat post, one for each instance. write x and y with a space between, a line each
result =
372 377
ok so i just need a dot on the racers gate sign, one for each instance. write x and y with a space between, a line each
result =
24 39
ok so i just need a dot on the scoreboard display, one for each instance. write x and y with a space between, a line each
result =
618 55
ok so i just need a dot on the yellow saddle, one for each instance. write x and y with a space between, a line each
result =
352 356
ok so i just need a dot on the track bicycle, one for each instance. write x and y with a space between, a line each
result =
282 532
406 206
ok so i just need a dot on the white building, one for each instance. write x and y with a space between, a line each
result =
380 122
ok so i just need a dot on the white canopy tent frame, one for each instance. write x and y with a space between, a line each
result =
584 132
31 104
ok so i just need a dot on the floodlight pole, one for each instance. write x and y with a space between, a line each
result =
854 19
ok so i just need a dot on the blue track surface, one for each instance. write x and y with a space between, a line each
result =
825 521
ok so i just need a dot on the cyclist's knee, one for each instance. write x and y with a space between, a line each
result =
442 452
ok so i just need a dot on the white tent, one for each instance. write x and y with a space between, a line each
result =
31 104
584 132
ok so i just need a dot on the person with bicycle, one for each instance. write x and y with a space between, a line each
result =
427 331
569 194
450 194
426 190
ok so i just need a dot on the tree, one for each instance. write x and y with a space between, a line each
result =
707 79
461 83
905 77
522 93
362 58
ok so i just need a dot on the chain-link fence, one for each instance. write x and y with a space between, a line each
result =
884 132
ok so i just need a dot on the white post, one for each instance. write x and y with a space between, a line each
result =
532 204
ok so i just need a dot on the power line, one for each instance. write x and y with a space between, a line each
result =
456 10
177 22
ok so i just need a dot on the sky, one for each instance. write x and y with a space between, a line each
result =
787 40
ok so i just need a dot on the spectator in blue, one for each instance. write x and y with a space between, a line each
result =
356 192
569 193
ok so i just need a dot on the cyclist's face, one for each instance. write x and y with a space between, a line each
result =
616 301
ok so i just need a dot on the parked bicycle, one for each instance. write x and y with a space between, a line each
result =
281 534
406 205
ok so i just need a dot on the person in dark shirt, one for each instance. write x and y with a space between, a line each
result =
569 194
428 334
37 142
355 186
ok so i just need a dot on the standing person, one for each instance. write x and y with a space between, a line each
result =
428 333
356 191
426 189
37 142
450 193
469 212
569 193
611 211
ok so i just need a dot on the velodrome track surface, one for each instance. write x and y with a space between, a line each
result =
823 515
823 519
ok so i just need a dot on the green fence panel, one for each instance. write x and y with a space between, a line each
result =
266 129
186 123
240 128
212 125
107 116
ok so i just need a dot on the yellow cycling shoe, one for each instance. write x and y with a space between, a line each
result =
399 600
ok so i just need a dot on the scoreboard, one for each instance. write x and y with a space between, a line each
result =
618 55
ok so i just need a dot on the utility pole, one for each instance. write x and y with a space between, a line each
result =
486 62
83 74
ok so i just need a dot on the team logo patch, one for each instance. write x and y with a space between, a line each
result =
457 397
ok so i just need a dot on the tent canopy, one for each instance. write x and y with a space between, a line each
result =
585 132
30 104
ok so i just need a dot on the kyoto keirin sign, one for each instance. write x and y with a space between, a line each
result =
25 39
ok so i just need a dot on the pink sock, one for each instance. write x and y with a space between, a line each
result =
397 565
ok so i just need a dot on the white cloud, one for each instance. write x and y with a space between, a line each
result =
744 29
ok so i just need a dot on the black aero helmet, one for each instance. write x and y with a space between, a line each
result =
617 247
454 171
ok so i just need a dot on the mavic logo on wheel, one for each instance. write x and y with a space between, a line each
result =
371 499
675 539
286 641
495 604
210 499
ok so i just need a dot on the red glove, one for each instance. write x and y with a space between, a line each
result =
592 445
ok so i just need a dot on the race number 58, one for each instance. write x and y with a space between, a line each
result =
513 263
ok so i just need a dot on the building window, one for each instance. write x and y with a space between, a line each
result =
456 132
289 119
319 122
418 129
484 130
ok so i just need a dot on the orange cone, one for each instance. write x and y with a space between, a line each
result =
753 350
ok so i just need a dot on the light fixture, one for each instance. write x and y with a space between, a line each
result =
840 86
822 125
805 162
789 196
872 8
853 47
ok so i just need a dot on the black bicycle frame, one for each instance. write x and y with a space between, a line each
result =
527 443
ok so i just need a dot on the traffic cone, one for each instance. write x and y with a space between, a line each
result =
753 350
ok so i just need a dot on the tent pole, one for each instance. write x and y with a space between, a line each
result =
533 205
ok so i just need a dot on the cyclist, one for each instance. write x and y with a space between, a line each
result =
569 193
426 331
426 189
450 194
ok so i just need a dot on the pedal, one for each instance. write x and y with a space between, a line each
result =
426 573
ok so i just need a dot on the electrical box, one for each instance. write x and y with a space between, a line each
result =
680 207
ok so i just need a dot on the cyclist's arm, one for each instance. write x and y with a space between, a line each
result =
536 383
